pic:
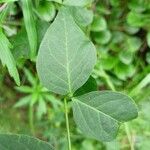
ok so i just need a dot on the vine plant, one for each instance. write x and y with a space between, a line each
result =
65 62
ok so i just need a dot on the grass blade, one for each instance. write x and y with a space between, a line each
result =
6 57
30 25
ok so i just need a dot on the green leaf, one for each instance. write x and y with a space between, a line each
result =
126 57
21 48
98 114
131 30
22 142
7 58
42 27
89 86
77 2
124 71
23 101
148 39
46 11
138 19
24 89
148 57
82 16
133 43
53 100
30 77
138 6
41 109
69 56
30 26
102 37
20 44
99 24
109 62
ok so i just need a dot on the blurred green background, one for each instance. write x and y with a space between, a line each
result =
120 30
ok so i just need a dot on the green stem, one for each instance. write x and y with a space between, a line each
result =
129 136
67 124
31 119
103 74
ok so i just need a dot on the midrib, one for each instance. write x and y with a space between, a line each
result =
67 57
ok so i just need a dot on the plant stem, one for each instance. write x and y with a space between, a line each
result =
129 136
67 123
31 119
103 74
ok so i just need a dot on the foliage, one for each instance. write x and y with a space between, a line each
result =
120 33
22 142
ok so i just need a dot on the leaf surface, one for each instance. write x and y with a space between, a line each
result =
98 114
66 56
22 142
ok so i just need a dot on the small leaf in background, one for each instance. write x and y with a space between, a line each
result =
99 24
126 57
22 142
86 144
148 39
42 108
46 11
137 19
24 89
117 37
77 2
109 62
21 48
42 27
30 25
131 30
68 55
99 114
148 57
102 9
32 80
82 16
7 57
24 101
137 6
102 37
133 44
89 86
53 100
115 3
124 71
